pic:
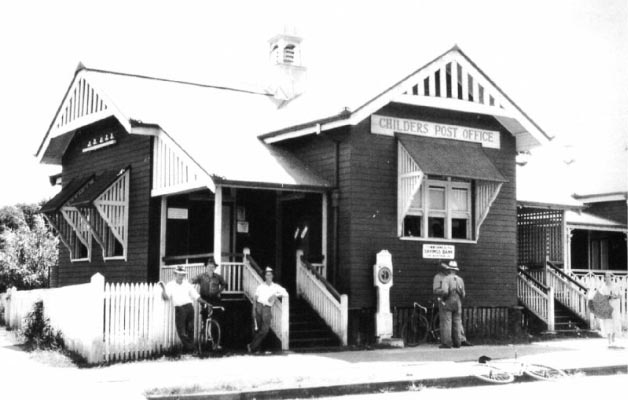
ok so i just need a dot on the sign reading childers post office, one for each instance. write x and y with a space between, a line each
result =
383 125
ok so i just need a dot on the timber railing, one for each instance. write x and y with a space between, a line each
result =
251 279
567 290
593 280
536 297
231 270
330 305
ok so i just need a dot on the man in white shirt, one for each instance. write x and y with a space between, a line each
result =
182 294
265 296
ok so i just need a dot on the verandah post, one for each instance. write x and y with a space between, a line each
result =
95 318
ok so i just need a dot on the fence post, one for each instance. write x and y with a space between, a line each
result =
10 317
96 297
344 319
550 310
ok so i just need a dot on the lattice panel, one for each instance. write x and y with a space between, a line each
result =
456 79
486 193
82 101
410 177
539 236
113 208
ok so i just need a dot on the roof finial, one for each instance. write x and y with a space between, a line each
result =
80 67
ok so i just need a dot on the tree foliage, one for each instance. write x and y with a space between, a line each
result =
28 248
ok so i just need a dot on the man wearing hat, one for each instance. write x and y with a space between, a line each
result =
449 288
265 296
211 285
182 294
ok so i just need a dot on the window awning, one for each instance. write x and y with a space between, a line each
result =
53 205
100 184
450 158
57 147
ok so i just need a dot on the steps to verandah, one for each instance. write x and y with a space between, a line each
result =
307 329
566 321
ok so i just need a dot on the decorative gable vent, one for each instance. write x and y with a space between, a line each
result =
83 104
457 80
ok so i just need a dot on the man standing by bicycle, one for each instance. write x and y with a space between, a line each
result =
182 294
211 286
449 288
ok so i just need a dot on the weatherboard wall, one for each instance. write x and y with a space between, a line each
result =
129 150
370 194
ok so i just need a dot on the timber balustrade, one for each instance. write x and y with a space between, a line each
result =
323 297
567 290
251 279
537 297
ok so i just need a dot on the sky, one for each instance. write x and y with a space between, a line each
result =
563 62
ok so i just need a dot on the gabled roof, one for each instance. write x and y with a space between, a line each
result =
468 90
220 128
216 126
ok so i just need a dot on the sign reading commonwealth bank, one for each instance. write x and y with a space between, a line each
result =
442 251
383 125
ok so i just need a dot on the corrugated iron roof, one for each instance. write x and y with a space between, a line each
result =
216 126
586 219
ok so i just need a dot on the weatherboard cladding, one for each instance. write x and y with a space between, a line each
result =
132 151
371 196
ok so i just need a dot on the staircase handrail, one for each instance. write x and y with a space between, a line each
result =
572 296
540 285
566 276
321 278
252 277
331 306
537 297
254 265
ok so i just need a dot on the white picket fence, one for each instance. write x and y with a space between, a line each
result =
125 321
594 281
75 310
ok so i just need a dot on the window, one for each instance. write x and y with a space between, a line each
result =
443 200
443 211
78 237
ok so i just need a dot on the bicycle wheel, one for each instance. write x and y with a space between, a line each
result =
543 372
214 334
414 331
491 374
204 342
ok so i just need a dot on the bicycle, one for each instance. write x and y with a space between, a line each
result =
422 325
210 332
506 371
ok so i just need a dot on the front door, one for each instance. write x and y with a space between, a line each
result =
300 229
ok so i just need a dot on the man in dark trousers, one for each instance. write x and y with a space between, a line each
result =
265 296
449 288
182 294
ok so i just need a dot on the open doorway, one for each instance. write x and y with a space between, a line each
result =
301 228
